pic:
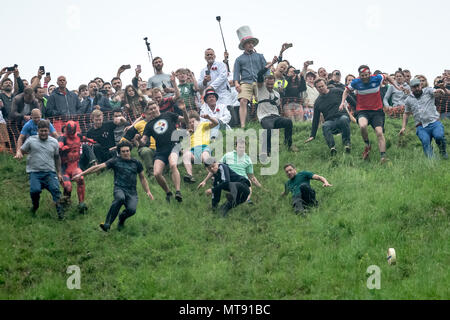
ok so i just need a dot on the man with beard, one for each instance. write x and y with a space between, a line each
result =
369 107
336 121
160 79
22 105
95 98
163 129
43 166
421 104
215 75
6 97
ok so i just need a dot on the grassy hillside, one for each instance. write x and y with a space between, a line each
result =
264 251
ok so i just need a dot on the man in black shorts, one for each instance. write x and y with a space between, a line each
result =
163 129
125 171
369 107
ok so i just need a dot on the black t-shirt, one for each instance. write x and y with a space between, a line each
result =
161 129
328 104
103 135
295 86
125 172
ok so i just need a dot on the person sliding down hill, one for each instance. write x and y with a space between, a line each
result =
303 195
125 171
69 149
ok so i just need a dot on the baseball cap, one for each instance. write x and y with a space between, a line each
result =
414 82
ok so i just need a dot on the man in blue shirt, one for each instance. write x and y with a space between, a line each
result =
31 129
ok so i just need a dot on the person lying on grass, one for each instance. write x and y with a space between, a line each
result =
303 195
125 171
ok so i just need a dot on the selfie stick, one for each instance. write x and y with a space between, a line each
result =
223 39
218 19
149 52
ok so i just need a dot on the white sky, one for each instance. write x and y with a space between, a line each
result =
83 39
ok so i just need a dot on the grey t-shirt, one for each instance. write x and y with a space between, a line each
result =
422 108
41 154
157 82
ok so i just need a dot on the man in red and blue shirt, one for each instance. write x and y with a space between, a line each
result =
369 107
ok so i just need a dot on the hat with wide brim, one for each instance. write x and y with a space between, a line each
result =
211 92
245 34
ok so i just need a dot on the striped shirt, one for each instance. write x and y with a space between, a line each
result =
368 94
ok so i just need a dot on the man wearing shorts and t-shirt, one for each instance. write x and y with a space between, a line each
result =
369 107
200 138
162 128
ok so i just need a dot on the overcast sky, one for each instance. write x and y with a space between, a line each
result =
84 39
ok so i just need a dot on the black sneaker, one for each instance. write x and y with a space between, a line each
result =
178 196
168 196
347 149
121 224
103 227
249 201
189 179
82 208
333 151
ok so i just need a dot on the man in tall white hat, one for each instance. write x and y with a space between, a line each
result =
246 69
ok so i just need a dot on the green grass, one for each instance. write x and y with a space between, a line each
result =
184 251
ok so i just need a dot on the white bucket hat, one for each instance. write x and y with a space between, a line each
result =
245 34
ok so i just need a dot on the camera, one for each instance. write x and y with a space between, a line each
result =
218 18
42 68
104 92
440 81
207 72
297 71
48 74
12 68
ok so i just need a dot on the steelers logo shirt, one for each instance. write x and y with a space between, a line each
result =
161 129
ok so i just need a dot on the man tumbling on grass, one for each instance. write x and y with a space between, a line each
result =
125 171
303 195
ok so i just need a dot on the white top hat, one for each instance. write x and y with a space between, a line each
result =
245 34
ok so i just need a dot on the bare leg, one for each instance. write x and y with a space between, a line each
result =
381 139
158 169
243 111
173 158
187 161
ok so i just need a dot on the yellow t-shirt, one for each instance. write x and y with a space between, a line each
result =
140 126
201 135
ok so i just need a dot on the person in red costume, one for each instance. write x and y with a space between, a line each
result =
70 146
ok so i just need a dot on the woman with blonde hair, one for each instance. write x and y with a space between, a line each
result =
423 80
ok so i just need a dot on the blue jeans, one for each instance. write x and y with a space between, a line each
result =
46 180
433 130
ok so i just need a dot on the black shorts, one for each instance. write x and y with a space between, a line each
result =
164 154
374 117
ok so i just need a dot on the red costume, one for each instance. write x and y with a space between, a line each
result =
70 150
